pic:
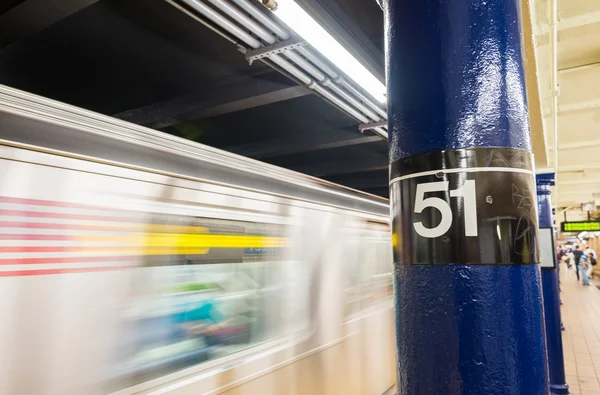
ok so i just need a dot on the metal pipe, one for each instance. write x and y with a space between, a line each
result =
262 18
554 82
380 131
364 99
205 23
328 83
298 74
305 64
316 73
317 61
223 22
340 103
248 23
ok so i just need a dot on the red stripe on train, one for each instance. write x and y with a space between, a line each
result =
75 259
53 203
42 214
43 272
29 249
38 225
27 236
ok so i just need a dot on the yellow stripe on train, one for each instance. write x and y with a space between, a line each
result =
182 241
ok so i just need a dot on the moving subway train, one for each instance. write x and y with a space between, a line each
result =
132 261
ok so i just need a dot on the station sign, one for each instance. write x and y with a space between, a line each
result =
581 226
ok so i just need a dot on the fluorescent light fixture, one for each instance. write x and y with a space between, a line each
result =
581 235
306 27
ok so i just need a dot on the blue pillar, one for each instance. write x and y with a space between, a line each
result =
558 385
469 314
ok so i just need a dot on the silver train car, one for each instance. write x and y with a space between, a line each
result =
132 261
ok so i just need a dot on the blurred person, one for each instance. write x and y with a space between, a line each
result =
593 262
561 254
587 251
583 266
577 254
201 320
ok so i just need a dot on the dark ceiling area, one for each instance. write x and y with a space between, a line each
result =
147 62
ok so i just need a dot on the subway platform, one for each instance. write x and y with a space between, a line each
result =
581 337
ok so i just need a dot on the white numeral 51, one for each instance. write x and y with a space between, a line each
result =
466 191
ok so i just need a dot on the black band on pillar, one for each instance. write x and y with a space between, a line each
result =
454 206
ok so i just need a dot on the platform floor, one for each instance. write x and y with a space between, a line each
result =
581 337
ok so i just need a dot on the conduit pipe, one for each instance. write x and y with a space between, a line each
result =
267 37
262 18
317 61
248 23
223 22
554 83
319 76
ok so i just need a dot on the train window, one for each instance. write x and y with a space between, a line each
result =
351 251
369 257
207 289
382 278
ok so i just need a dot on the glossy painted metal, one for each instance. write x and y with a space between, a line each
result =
550 286
455 80
74 179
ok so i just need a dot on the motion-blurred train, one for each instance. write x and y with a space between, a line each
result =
133 261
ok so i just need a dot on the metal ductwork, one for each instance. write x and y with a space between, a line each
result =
262 38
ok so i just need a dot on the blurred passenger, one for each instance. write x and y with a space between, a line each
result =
588 250
201 320
593 262
577 254
561 254
583 266
558 253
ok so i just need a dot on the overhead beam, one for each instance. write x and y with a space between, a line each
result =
585 19
580 182
583 67
302 142
373 180
578 145
346 167
380 191
579 168
251 102
229 97
31 16
580 106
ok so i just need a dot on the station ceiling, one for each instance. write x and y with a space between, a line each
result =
148 62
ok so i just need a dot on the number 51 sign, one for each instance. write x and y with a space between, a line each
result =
465 206
469 206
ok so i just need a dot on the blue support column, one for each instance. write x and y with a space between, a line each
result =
468 296
550 286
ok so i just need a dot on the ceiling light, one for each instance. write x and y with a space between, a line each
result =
306 27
